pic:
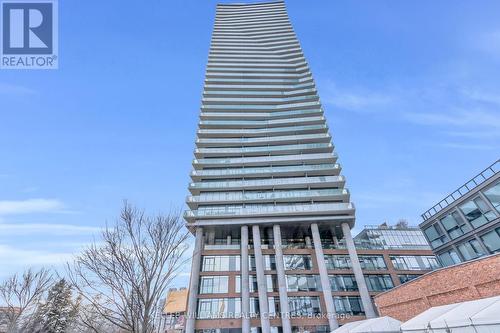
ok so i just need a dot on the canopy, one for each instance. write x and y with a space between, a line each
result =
374 325
479 316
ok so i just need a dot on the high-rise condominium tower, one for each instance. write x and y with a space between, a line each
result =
267 196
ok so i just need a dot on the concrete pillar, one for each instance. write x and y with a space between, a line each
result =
211 237
308 242
245 288
261 281
336 242
358 273
228 242
325 281
280 269
194 281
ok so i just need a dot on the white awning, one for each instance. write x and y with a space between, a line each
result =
374 325
479 316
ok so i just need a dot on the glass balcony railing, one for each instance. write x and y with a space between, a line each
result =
263 130
258 99
265 139
264 210
257 106
264 170
263 69
274 114
266 159
257 92
246 150
334 180
213 75
259 80
276 195
291 87
262 122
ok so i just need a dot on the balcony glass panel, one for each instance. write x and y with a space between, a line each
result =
477 212
493 195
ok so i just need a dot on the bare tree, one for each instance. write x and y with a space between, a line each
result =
124 275
402 224
21 296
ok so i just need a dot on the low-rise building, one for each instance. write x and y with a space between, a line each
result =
466 224
467 281
174 311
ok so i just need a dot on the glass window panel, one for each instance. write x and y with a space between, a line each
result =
493 195
492 240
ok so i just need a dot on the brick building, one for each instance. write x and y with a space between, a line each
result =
467 281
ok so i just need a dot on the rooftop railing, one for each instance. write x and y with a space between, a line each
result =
486 174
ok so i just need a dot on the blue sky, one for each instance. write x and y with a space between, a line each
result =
410 90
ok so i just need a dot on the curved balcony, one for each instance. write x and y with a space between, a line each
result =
308 148
260 115
256 132
265 160
270 183
276 196
262 211
331 169
248 142
261 123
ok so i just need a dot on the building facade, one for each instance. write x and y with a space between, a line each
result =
467 281
466 224
268 207
173 317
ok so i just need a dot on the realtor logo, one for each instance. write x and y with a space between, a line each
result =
29 34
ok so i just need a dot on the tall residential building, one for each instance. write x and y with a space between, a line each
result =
268 205
465 225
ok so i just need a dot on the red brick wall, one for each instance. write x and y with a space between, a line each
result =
468 281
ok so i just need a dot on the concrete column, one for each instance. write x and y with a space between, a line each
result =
261 281
336 242
358 273
308 242
325 281
280 269
194 281
245 288
228 242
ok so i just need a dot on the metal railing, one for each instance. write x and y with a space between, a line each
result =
486 174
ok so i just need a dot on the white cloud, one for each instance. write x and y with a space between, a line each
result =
359 99
457 117
16 256
12 89
11 207
46 228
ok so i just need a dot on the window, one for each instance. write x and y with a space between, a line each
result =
477 212
214 284
492 240
470 249
219 330
212 308
303 283
272 283
304 306
449 258
269 262
493 195
403 278
273 304
349 305
435 235
252 284
414 262
372 262
378 282
297 261
337 262
220 263
343 283
455 225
